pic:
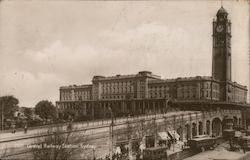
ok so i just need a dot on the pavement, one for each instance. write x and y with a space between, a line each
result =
221 152
8 136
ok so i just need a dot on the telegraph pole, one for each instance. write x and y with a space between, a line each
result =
129 139
2 115
111 133
174 132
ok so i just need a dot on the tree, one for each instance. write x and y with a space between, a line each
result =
59 144
27 112
45 109
8 106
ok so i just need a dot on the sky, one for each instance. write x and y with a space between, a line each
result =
48 44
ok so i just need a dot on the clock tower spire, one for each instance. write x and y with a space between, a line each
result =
221 67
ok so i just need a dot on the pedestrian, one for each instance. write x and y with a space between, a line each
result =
243 146
244 149
25 128
69 128
169 144
14 128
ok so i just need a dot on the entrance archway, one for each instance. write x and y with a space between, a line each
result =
194 129
235 122
187 132
208 127
216 127
228 122
200 128
179 130
248 123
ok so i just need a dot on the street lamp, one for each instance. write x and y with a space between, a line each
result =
2 115
174 132
93 153
111 130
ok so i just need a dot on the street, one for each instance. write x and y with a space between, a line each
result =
221 152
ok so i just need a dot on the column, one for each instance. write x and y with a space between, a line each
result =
210 128
190 132
220 128
166 106
125 107
157 106
182 128
133 105
197 124
204 123
190 126
143 107
154 107
244 119
104 110
92 110
197 128
139 111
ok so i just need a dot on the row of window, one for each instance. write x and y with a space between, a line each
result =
82 93
118 90
66 97
115 84
205 94
114 97
158 95
158 88
183 86
69 98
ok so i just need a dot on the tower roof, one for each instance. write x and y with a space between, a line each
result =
221 11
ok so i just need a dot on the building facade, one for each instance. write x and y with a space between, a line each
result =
127 93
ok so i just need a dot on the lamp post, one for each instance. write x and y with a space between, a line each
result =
2 115
174 132
111 132
93 153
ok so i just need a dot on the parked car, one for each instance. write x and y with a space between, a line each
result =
155 153
202 143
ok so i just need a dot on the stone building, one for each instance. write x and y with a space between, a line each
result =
144 91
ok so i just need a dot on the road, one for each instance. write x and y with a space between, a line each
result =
221 152
19 141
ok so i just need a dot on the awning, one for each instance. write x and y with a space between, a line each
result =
237 134
164 135
118 150
174 134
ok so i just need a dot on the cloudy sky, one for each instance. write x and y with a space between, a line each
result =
48 44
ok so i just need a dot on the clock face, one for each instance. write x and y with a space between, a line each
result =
219 28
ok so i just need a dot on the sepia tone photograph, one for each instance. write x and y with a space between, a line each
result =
124 80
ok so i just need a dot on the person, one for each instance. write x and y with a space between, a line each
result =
169 144
25 128
243 147
69 127
107 157
14 128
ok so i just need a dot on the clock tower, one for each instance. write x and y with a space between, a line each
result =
221 67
